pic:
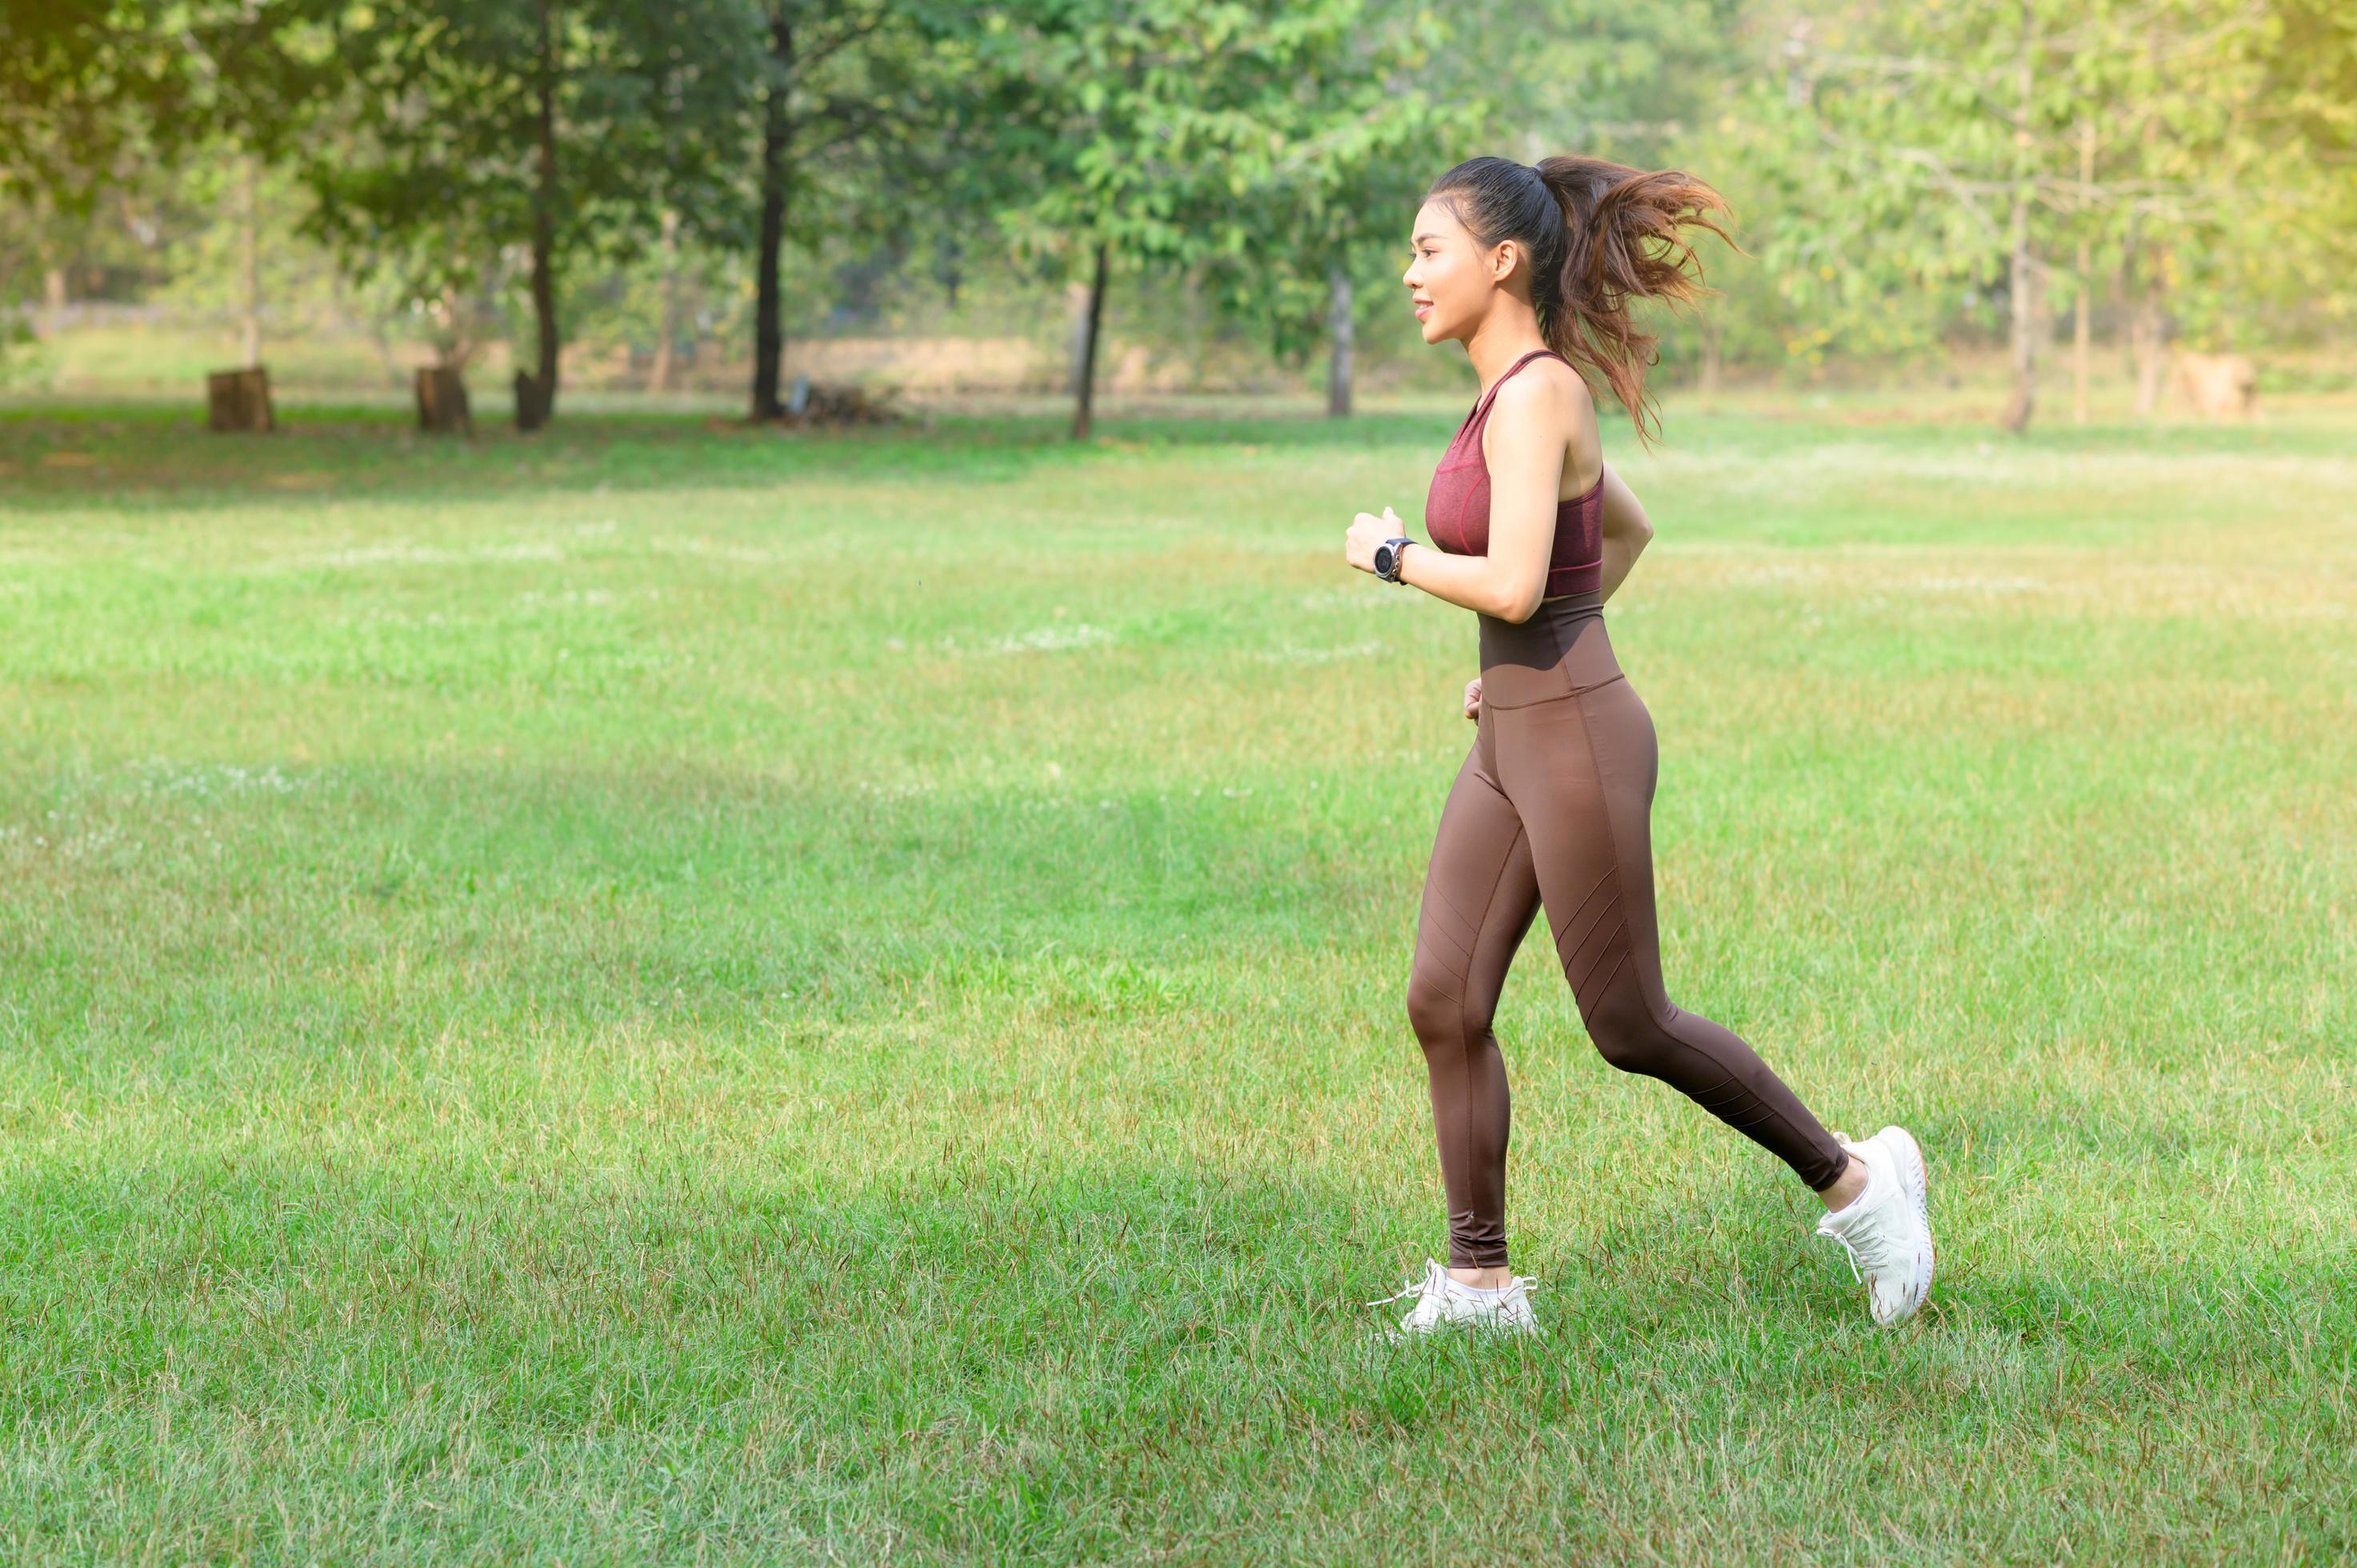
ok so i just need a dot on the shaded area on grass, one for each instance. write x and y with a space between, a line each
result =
141 454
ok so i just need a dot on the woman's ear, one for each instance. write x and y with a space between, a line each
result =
1510 256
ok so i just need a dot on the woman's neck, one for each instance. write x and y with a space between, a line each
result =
1499 341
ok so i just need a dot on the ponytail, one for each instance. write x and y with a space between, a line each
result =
1599 235
1622 233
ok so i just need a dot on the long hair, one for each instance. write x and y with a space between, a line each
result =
1599 234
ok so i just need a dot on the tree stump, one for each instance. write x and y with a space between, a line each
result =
2219 386
238 401
442 400
531 401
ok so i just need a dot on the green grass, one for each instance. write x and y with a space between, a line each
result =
662 993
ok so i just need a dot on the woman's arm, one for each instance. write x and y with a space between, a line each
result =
1533 421
1627 531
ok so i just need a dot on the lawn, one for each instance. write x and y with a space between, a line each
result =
662 993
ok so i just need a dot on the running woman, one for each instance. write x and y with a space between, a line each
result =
1532 269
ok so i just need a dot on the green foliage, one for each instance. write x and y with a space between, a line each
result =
2295 210
431 176
83 85
1256 143
1237 150
1917 125
1366 131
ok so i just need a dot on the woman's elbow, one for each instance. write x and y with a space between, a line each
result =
1522 604
1632 539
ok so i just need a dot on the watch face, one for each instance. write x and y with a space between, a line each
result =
1386 559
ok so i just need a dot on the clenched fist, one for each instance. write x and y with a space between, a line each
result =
1367 530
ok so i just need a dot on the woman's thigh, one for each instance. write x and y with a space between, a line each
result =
1580 771
1480 894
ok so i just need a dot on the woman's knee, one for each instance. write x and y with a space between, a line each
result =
1625 1030
1434 1010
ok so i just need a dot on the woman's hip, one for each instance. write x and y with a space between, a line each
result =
1562 650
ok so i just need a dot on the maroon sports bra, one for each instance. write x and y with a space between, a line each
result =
1456 508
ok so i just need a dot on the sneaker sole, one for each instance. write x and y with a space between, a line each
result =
1917 1177
1484 1327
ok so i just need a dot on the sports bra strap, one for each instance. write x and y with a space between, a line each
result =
1483 407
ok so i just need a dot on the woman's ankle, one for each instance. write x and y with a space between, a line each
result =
1846 1188
1493 1277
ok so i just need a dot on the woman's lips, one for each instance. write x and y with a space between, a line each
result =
1422 311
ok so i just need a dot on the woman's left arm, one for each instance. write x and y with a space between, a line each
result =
1627 531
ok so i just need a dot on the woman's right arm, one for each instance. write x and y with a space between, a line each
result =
1626 529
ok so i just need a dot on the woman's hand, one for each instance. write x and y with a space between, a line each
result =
1473 698
1367 530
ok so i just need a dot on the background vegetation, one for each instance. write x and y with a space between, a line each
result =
699 193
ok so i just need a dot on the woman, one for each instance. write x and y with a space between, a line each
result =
1532 269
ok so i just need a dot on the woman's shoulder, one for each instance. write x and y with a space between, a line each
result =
1547 388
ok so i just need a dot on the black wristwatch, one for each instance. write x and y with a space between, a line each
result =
1387 558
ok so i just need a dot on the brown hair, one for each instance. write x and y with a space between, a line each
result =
1598 234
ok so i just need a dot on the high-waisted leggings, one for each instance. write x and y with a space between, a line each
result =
1552 808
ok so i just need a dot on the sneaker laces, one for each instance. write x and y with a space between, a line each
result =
1878 1249
1418 1284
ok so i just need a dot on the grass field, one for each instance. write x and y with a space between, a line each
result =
666 994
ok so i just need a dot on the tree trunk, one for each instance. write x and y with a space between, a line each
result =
948 271
238 401
2023 267
2080 323
442 400
2024 309
2080 338
54 282
1339 324
2147 335
768 334
456 344
536 393
249 226
339 291
2148 325
1076 316
659 373
1085 377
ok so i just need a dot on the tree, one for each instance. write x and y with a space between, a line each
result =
100 98
1963 132
818 120
478 127
87 93
81 84
2289 260
1327 202
1155 134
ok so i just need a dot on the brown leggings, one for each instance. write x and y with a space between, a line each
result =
1553 805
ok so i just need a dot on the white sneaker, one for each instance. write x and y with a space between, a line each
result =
1886 1229
1443 1300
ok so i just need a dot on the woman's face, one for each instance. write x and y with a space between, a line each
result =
1450 278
